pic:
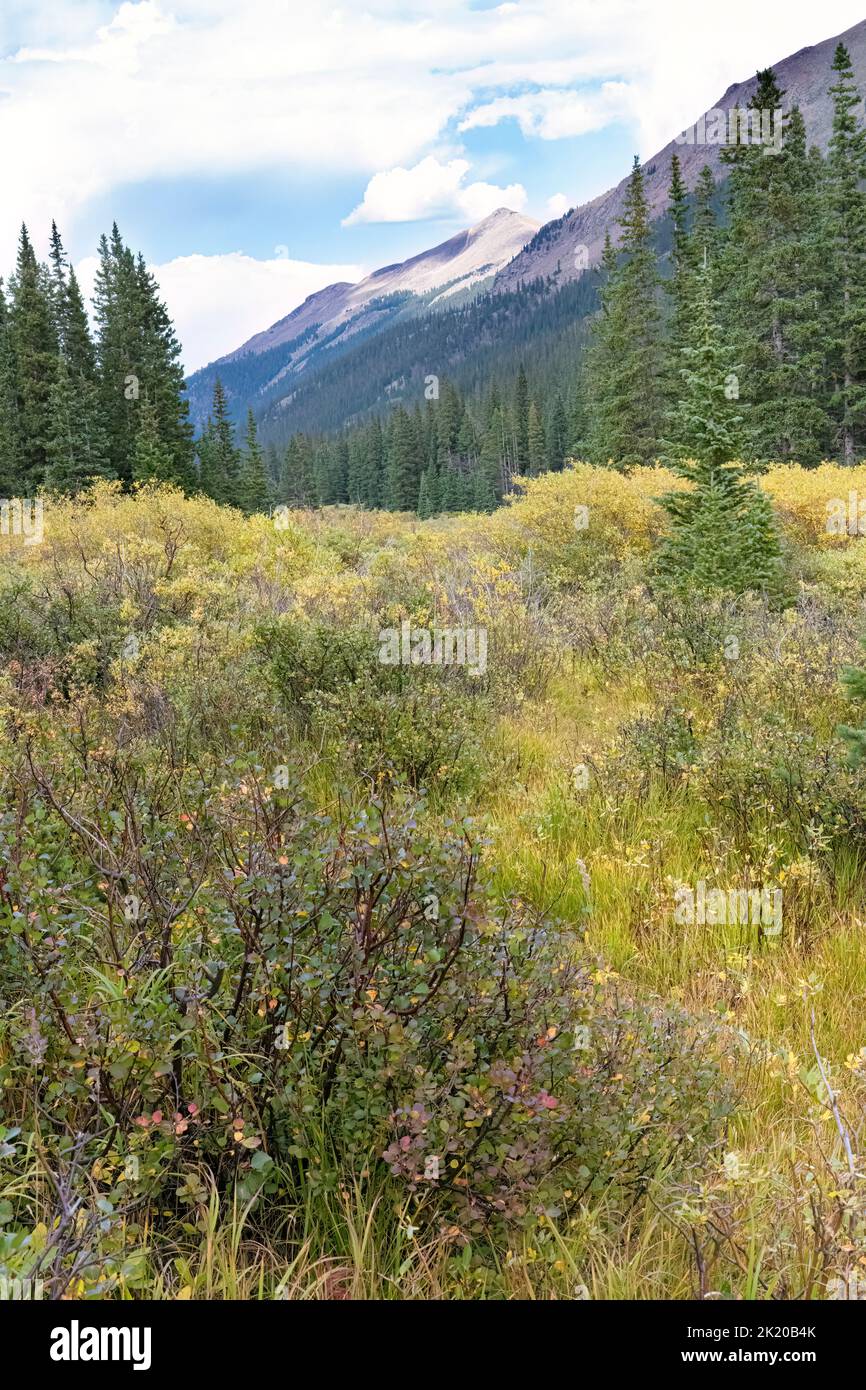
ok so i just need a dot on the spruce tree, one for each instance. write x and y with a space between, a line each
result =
704 235
76 448
151 459
255 492
537 448
722 535
10 478
34 351
425 508
219 475
557 434
139 358
682 262
626 368
844 207
405 458
520 422
770 265
483 496
706 422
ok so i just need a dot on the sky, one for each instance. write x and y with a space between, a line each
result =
257 150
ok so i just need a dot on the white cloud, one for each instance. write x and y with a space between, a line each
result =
171 88
557 205
218 302
553 115
175 89
432 189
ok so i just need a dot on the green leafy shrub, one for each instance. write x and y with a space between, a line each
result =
419 722
290 986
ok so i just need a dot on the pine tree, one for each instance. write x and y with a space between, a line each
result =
139 358
722 535
34 350
405 458
425 508
770 267
76 447
10 477
118 351
492 451
483 496
537 448
220 459
682 264
627 362
520 418
557 434
844 208
163 376
704 234
255 491
151 460
706 423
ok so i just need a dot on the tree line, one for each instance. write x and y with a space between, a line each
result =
744 331
783 284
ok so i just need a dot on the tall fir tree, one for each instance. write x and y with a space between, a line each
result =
10 477
770 268
35 352
722 535
520 422
138 358
627 362
255 490
536 444
844 207
682 261
220 463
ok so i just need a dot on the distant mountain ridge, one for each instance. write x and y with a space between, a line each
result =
340 311
502 253
804 78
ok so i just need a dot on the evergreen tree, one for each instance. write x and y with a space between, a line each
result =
405 458
520 417
483 495
844 207
255 488
557 434
151 459
425 508
138 358
537 448
722 535
627 360
34 350
704 234
682 262
10 477
770 267
705 423
76 447
219 475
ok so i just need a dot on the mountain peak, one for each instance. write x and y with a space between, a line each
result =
577 239
452 267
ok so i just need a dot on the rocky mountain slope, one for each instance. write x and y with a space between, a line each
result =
502 252
334 315
558 248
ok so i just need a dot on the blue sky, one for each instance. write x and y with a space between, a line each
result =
256 151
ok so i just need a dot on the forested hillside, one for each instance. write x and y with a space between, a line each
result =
442 411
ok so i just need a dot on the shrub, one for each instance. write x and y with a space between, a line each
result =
290 987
